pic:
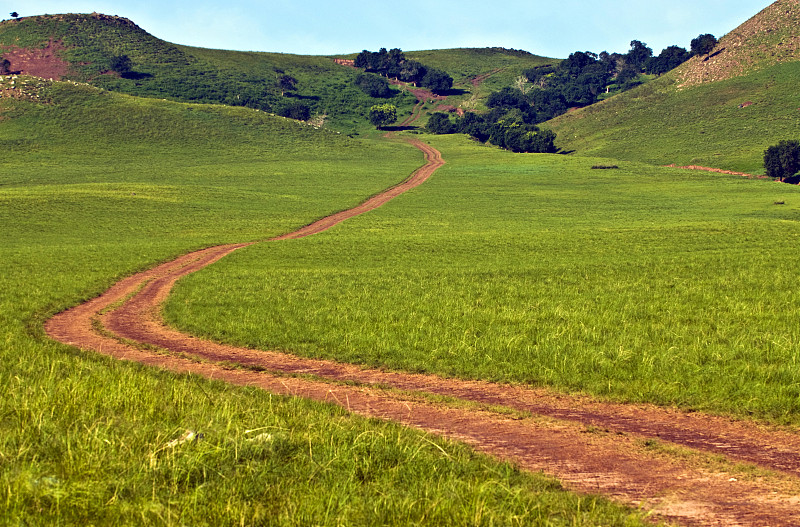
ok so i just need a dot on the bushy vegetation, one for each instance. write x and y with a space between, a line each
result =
374 85
382 115
504 129
394 64
585 78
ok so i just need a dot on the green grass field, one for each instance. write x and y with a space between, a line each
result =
97 185
464 64
638 284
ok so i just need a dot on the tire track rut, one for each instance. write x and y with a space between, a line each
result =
591 446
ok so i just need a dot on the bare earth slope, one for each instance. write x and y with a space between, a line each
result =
766 39
591 446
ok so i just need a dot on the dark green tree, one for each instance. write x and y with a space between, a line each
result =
382 115
638 54
437 81
473 125
782 161
374 85
439 123
286 83
5 67
14 14
121 64
538 75
507 98
703 44
410 71
669 59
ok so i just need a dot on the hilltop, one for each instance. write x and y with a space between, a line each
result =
721 110
766 39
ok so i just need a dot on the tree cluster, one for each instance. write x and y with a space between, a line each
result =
584 77
504 129
703 44
394 64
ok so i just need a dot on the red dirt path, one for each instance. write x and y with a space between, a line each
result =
590 445
716 170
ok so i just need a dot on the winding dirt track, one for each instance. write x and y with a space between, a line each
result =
591 446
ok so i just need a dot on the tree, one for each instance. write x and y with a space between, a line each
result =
669 59
437 81
638 54
703 44
507 98
373 85
439 123
382 114
287 83
14 14
409 71
5 67
122 64
782 160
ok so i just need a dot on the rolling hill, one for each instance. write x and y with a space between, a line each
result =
721 110
85 48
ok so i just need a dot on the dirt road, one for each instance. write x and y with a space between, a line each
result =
627 452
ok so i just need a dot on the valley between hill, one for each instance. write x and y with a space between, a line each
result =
630 331
690 467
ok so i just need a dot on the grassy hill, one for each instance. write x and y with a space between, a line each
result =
721 110
89 44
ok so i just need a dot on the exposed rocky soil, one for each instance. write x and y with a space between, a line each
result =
37 62
770 37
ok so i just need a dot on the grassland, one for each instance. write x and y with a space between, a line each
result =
500 66
96 185
637 284
702 125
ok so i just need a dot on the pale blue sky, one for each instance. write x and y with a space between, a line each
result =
319 27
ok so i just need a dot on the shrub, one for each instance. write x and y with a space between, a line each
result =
295 110
374 85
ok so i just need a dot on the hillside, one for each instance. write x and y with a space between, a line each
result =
721 110
87 48
84 48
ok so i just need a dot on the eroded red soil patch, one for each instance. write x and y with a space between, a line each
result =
591 446
37 62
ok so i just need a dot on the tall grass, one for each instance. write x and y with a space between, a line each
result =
94 186
639 284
